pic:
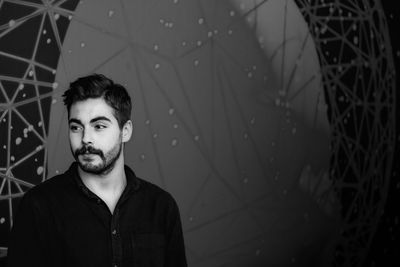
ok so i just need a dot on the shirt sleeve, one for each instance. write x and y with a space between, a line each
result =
175 256
26 246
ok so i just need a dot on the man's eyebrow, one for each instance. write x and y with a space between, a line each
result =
75 121
100 118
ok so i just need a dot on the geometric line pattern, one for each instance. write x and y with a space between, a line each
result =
27 72
359 80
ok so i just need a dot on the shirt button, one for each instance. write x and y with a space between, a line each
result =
114 232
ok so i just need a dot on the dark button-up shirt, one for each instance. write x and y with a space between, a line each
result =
62 223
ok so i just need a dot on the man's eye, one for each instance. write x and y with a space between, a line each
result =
99 126
75 128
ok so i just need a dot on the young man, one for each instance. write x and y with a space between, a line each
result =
98 213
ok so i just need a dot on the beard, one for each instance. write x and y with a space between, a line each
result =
107 159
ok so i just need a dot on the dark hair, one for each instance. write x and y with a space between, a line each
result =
99 86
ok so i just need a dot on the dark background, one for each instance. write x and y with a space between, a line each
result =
386 244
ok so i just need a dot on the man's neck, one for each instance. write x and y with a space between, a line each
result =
108 187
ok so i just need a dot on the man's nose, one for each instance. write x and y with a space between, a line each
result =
87 137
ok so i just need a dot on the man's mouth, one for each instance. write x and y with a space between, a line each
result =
88 156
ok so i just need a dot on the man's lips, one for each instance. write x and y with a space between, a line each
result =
87 156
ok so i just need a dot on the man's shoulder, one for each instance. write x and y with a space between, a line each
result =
154 191
50 187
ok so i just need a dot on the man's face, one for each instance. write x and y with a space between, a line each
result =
94 135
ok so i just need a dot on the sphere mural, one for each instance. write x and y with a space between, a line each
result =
271 122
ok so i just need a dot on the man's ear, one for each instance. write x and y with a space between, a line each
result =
127 130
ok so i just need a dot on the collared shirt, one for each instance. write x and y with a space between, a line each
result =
60 222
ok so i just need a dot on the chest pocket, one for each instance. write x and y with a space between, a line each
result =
149 249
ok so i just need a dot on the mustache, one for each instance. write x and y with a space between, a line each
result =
88 150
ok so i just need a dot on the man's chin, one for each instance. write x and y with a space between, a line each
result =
91 168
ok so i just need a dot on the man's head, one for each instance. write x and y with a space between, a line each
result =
98 117
99 86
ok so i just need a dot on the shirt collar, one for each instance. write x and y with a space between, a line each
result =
132 182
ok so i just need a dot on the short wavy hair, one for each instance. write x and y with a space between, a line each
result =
99 86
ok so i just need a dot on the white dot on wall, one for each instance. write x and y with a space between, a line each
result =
30 74
232 13
39 170
83 44
70 17
171 111
54 101
196 62
2 220
175 126
155 47
201 21
196 138
11 23
56 16
12 158
157 66
110 13
54 85
147 122
18 140
175 1
21 86
199 43
155 135
174 142
142 156
48 40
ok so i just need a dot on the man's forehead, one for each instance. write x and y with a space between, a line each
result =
91 108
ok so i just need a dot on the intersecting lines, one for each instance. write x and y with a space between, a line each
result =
205 112
31 35
355 52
